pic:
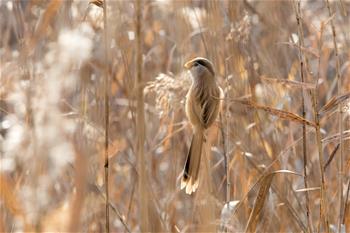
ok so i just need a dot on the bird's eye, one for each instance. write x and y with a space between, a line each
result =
195 64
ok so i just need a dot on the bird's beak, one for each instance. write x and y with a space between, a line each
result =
188 64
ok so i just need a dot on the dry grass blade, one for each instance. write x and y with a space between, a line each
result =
291 83
277 112
308 189
335 137
331 157
282 197
259 203
261 198
333 103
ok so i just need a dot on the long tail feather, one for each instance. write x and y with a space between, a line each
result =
191 170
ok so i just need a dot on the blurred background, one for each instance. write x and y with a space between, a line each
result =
278 159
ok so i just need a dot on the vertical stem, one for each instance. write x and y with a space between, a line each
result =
140 124
300 33
228 184
227 168
318 136
340 121
106 100
346 201
224 141
323 215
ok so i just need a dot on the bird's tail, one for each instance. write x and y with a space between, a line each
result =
190 175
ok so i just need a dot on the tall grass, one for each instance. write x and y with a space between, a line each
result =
93 131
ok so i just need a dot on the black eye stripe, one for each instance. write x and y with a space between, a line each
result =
201 62
205 64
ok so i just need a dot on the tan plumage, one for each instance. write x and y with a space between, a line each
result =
203 103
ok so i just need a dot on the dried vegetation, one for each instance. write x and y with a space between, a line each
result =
94 135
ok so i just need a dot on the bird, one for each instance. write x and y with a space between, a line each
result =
203 104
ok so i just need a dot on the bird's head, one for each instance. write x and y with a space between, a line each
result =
200 67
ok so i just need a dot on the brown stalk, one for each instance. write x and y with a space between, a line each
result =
331 157
130 202
277 112
140 125
224 141
314 95
340 117
305 156
106 115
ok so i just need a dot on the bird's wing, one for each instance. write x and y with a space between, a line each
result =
210 107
